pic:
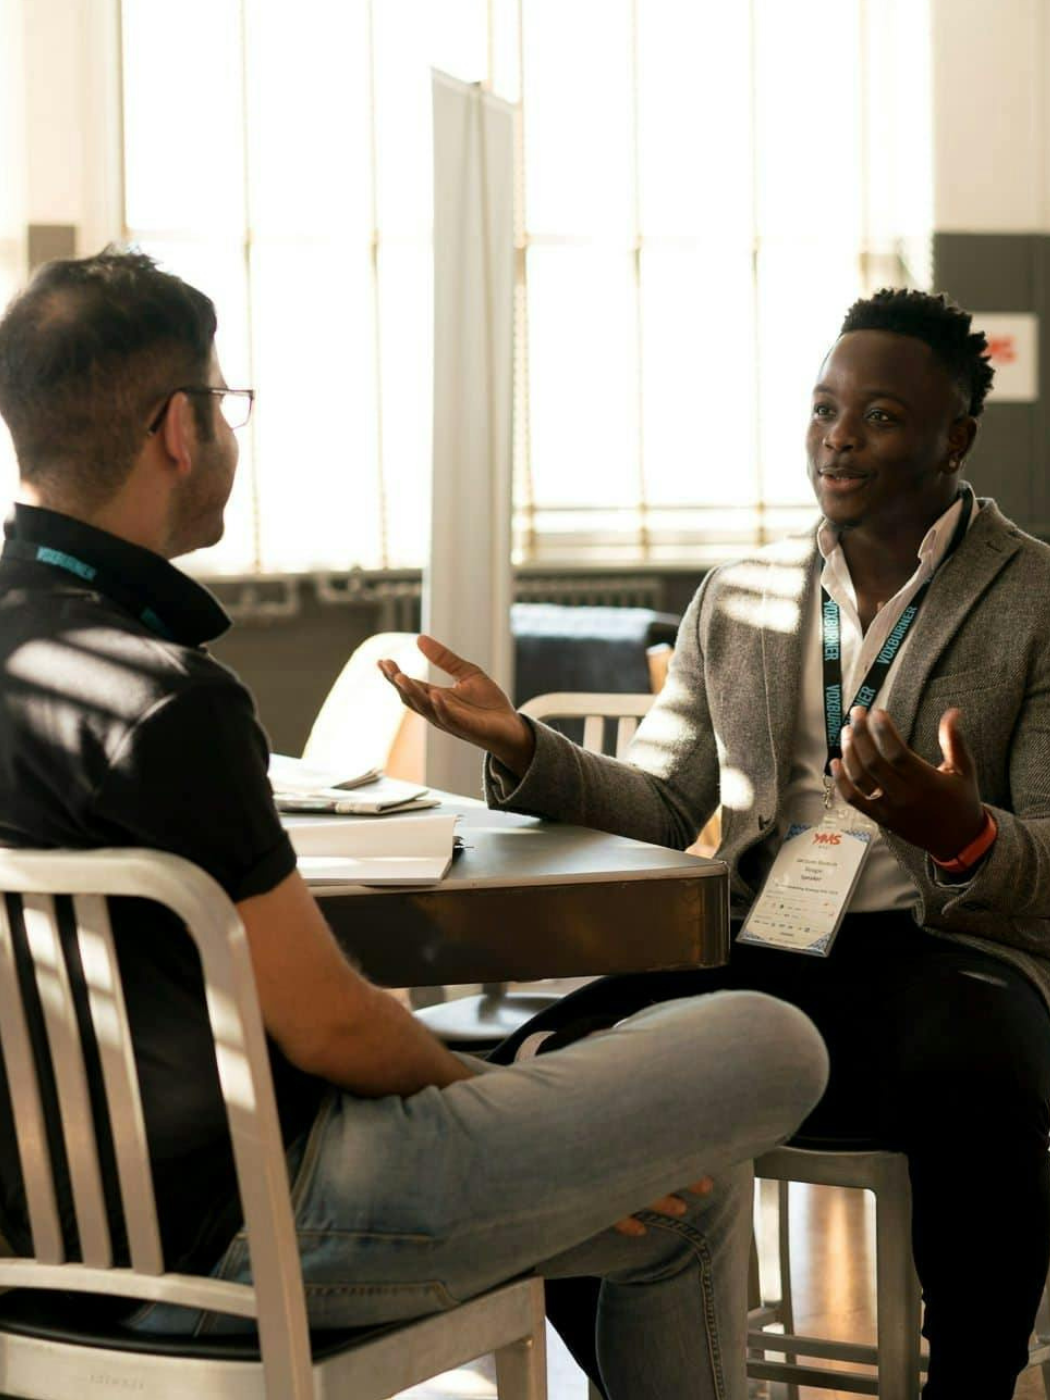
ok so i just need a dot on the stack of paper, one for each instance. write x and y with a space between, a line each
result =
299 787
391 852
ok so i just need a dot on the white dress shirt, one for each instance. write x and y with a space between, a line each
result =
882 884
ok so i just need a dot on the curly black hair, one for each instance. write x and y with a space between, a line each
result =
939 323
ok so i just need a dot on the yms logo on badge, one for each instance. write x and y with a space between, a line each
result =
827 838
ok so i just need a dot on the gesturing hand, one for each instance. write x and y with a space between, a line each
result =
474 708
673 1206
937 809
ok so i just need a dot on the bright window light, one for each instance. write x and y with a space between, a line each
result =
704 191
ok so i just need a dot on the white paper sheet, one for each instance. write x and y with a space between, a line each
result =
384 851
289 774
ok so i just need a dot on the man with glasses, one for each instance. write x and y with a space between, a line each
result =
419 1179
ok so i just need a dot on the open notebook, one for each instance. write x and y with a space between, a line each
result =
301 787
389 852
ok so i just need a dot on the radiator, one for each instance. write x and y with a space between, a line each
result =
607 590
397 598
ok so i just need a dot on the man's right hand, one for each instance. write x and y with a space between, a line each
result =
672 1206
473 708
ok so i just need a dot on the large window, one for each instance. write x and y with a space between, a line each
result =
705 188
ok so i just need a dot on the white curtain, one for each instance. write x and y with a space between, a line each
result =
467 580
12 190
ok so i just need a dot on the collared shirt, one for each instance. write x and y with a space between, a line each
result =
883 884
118 729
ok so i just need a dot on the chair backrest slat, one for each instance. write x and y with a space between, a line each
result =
109 1018
67 1061
625 728
594 733
594 707
24 1089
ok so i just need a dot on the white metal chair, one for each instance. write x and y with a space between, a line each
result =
896 1356
42 1358
477 1022
594 708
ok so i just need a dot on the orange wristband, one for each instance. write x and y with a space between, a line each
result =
971 854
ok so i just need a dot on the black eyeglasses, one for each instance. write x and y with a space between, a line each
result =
234 404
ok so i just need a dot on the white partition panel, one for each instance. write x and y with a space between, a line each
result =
467 581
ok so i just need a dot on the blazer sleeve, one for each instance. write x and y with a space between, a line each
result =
667 786
1014 879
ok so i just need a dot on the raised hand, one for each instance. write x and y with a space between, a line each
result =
473 708
937 809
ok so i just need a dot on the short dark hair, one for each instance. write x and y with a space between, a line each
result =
938 322
85 350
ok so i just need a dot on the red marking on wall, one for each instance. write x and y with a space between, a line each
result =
1002 349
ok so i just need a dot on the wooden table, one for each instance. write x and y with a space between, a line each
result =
528 899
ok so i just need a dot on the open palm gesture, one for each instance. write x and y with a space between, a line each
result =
473 708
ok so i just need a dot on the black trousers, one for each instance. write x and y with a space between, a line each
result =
938 1051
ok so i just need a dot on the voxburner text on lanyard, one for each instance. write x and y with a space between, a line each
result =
802 903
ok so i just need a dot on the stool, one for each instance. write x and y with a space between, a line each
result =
897 1294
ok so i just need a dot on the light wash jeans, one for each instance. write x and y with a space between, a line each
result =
408 1206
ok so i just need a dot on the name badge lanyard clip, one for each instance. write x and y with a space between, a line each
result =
835 718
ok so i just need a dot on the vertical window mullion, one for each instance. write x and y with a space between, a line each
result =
524 484
256 506
759 529
636 261
866 248
125 232
377 334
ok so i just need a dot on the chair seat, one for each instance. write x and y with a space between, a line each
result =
837 1144
80 1320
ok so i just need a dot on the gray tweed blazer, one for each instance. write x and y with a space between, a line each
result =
721 731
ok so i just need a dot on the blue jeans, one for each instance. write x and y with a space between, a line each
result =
409 1206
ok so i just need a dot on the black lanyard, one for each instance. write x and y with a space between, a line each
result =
831 634
70 564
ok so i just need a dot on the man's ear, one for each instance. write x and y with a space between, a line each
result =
179 433
960 437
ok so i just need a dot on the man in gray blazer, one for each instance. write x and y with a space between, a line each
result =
931 612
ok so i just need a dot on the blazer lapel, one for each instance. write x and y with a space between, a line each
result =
956 587
786 609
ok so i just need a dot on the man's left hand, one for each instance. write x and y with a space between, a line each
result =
937 809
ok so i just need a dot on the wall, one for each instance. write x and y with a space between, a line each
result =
992 214
72 116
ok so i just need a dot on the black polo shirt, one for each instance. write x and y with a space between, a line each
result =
118 729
